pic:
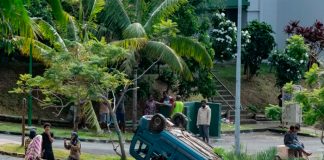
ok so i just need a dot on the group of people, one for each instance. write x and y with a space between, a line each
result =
40 146
292 142
177 106
166 101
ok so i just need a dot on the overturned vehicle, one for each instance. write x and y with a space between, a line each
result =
158 138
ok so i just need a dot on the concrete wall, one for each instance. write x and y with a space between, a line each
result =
278 13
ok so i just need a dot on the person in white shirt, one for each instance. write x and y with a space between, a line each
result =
203 120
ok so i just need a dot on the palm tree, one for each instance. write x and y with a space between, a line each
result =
137 35
22 31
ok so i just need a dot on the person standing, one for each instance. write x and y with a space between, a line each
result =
104 115
177 106
34 149
120 112
48 139
32 135
203 120
74 146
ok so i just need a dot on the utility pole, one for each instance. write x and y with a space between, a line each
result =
30 100
238 79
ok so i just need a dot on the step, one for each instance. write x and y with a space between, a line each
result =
230 102
228 98
243 112
242 117
248 121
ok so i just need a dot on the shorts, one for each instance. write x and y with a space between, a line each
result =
120 117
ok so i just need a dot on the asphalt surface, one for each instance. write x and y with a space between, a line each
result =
86 147
260 141
2 157
252 143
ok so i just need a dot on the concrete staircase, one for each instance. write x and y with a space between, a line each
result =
227 100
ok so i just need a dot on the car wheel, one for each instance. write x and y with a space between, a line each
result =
180 120
157 123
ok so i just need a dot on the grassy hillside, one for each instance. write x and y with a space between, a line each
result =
11 104
259 91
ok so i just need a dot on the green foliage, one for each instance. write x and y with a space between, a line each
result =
76 78
260 46
252 108
268 154
187 19
312 98
274 112
291 64
165 29
288 87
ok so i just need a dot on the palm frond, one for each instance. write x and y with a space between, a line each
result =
128 63
14 17
134 30
97 7
58 12
131 43
72 29
91 116
155 49
191 48
115 15
139 9
40 51
165 9
49 32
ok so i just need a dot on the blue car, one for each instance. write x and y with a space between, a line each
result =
157 138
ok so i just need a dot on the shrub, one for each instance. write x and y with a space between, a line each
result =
268 154
260 46
274 112
291 64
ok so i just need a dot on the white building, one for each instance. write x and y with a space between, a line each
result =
278 13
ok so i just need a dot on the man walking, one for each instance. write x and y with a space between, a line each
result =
203 120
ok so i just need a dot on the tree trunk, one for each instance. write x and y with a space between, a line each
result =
120 136
76 118
134 113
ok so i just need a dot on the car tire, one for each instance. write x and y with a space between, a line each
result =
179 120
157 123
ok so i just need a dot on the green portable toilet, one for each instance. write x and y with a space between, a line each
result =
215 122
165 111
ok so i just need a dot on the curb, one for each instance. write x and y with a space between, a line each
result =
268 129
246 131
281 131
62 138
18 155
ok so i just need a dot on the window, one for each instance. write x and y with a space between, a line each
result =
141 148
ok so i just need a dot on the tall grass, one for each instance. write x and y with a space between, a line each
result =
269 154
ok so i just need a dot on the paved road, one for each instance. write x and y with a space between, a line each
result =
259 141
253 142
87 147
2 157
